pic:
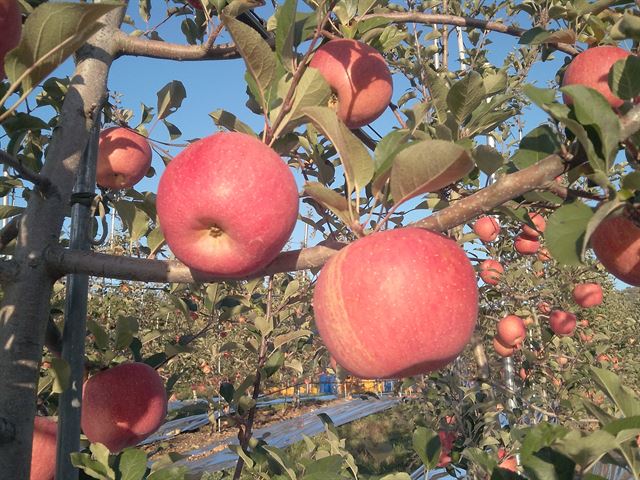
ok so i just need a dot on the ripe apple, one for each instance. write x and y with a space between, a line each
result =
43 449
502 349
562 323
523 374
584 323
124 157
447 439
526 245
123 405
491 271
544 308
11 28
544 255
509 463
391 285
616 243
487 229
359 76
227 205
591 69
539 222
587 295
603 358
511 331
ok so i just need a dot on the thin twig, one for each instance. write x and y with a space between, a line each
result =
42 183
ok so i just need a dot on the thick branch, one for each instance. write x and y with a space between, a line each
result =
9 270
435 19
7 431
9 232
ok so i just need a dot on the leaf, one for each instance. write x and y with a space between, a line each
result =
439 91
279 456
101 336
91 467
47 28
291 290
227 391
133 464
426 444
427 166
170 98
357 164
228 120
495 82
623 78
285 18
285 338
539 143
611 385
174 132
565 232
125 330
237 449
135 219
397 476
588 449
257 55
273 363
488 159
465 95
144 9
8 211
386 150
62 372
329 199
627 27
242 388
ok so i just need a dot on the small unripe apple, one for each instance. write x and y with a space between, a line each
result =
526 245
562 323
391 285
123 405
487 229
544 308
539 222
359 76
502 349
529 321
591 69
616 243
544 255
491 271
511 331
124 158
227 205
587 295
11 28
43 448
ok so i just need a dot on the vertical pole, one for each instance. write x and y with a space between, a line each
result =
509 382
5 199
75 317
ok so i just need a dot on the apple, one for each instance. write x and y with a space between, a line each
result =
562 323
491 271
391 285
544 308
123 405
195 4
544 255
227 205
539 222
523 373
591 69
526 245
587 295
43 449
603 358
11 28
584 323
360 78
616 243
447 439
502 349
509 463
511 331
124 157
562 360
486 228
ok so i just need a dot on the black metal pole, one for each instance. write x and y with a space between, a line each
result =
75 316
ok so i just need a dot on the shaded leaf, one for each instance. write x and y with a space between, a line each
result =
329 199
623 78
565 232
228 120
426 444
170 98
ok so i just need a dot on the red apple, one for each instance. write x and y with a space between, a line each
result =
562 323
392 285
487 229
509 463
544 308
591 69
195 4
447 439
511 331
491 271
123 405
124 157
523 375
544 255
616 243
359 76
11 28
43 449
584 323
539 222
227 205
502 349
526 245
587 295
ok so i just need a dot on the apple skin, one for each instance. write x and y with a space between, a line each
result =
502 349
511 331
562 323
11 28
359 76
123 405
587 295
509 463
43 449
414 288
544 308
526 245
447 439
227 205
616 243
487 229
591 69
491 271
539 222
124 158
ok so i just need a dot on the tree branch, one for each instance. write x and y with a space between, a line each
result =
9 270
9 232
7 431
42 183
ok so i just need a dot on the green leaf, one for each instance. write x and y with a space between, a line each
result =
539 143
588 449
623 78
91 467
227 391
135 219
285 19
125 330
62 372
279 456
627 27
465 95
358 166
623 397
257 55
144 9
243 387
488 159
285 338
292 288
426 444
155 238
237 449
386 150
273 363
533 36
228 120
324 468
565 232
329 199
397 476
174 132
495 82
427 166
8 211
133 464
439 91
47 28
170 98
101 336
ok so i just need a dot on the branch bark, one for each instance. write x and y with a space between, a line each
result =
9 232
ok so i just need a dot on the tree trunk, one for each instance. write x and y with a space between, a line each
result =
25 307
